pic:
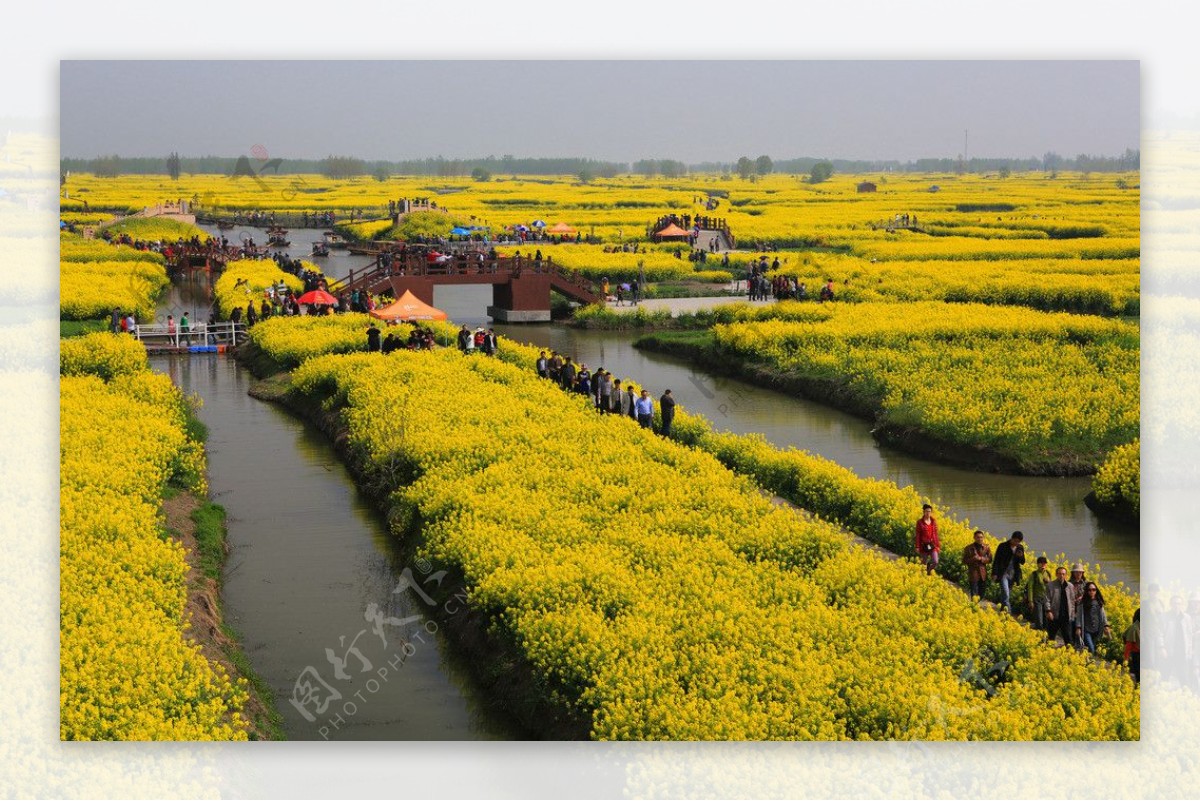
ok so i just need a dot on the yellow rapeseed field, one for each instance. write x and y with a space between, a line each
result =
128 671
664 598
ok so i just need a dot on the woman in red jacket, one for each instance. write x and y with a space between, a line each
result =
928 544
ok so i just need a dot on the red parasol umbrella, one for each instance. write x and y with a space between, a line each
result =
317 297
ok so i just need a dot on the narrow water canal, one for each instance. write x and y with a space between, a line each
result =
309 556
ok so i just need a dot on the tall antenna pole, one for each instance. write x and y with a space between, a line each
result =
966 133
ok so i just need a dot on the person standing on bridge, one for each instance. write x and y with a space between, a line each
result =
185 329
171 330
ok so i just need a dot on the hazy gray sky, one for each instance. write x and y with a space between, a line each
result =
617 110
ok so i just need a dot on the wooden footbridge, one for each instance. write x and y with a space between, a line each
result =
201 338
521 285
210 258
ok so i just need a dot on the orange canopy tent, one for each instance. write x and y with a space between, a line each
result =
561 228
671 230
408 307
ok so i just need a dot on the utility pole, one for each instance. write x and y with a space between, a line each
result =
966 156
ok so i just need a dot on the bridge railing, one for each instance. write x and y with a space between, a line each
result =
472 264
225 333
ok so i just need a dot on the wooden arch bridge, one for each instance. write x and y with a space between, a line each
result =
521 286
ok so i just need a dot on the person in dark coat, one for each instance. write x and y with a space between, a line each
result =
1060 600
374 343
1006 567
666 405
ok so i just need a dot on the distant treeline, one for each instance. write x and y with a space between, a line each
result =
343 166
485 168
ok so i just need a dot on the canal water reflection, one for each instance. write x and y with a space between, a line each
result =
309 558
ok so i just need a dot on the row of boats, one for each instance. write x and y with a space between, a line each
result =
277 238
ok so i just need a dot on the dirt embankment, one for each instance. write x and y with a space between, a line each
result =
206 621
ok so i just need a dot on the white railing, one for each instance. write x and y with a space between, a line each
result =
227 333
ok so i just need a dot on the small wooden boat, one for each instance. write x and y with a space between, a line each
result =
335 240
320 249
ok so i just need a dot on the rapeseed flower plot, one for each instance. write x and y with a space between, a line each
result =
1117 481
662 596
95 278
92 289
159 229
245 280
875 509
1037 388
127 670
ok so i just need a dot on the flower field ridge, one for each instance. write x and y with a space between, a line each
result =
127 671
662 596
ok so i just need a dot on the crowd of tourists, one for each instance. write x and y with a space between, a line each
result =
605 391
418 339
1067 606
760 286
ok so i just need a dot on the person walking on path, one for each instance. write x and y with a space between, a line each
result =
1133 647
567 374
1036 599
1091 622
604 393
630 407
927 542
543 366
977 556
185 329
615 401
1006 568
666 405
645 409
1078 581
1060 601
171 332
